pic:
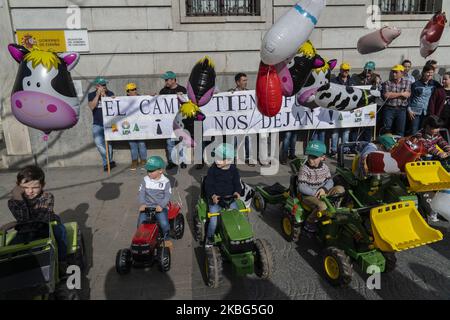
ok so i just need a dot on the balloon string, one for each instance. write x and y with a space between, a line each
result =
45 138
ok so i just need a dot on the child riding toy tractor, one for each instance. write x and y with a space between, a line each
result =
148 246
234 241
29 267
369 235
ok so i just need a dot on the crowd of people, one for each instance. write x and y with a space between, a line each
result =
406 101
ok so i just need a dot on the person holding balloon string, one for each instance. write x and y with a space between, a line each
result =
138 148
95 104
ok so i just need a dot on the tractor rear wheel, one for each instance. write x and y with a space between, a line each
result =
291 230
390 261
213 267
178 226
337 266
199 228
123 261
259 203
164 259
264 263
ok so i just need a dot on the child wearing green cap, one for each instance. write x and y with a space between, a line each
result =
155 192
223 179
315 181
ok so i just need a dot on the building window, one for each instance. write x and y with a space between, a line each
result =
410 6
202 8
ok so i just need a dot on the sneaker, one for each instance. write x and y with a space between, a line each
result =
247 162
292 157
183 165
142 163
171 165
265 165
433 217
112 164
134 165
310 227
208 243
282 161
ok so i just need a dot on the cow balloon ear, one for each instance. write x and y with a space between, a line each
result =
70 58
318 63
332 63
17 52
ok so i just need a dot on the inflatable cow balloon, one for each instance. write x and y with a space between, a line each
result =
44 96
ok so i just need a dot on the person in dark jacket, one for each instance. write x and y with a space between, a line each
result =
437 101
223 179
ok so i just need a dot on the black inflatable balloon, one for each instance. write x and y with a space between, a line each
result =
202 81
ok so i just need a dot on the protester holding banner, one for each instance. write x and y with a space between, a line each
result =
138 148
95 104
343 78
172 87
241 81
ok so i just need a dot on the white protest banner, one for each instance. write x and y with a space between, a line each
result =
147 117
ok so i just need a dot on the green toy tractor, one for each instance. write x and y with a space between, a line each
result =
29 266
234 241
369 235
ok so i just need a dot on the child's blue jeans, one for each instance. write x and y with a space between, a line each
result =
163 220
215 208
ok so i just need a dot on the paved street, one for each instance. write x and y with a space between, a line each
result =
106 209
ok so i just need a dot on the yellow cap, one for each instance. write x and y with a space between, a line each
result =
130 86
398 67
345 66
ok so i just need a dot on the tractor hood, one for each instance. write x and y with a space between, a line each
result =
236 225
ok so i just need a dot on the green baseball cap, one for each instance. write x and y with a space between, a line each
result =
155 163
169 75
370 65
101 81
316 148
387 141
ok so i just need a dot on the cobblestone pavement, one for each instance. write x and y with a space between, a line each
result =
105 207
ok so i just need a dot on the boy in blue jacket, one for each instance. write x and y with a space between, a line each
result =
223 179
155 192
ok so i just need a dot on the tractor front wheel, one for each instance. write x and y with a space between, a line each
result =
178 226
259 203
123 261
337 266
213 267
164 259
264 264
291 230
199 229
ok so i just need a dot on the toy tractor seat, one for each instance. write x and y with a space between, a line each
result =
399 226
426 176
275 189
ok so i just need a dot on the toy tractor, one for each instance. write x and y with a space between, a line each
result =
284 197
147 245
234 241
379 189
29 267
369 235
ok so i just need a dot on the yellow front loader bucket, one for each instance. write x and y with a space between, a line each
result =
426 176
399 226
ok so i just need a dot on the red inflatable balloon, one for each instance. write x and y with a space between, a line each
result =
269 94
